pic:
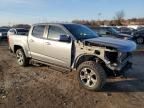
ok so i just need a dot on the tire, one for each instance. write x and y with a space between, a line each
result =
91 75
21 58
140 40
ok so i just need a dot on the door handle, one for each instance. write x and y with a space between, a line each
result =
31 40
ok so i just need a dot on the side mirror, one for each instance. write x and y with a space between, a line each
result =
64 38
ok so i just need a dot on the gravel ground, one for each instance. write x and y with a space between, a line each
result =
42 87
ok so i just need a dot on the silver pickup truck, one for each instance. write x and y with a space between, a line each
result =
74 47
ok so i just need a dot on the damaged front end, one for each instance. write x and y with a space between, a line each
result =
119 62
114 58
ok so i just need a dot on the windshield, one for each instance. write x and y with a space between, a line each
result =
81 32
114 31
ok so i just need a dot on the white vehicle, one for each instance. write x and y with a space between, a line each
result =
17 31
74 47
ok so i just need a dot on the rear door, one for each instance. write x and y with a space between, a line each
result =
57 52
36 41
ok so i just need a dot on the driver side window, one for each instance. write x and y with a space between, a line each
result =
54 33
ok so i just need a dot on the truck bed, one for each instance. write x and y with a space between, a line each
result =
18 40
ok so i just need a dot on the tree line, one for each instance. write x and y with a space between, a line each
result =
122 22
118 20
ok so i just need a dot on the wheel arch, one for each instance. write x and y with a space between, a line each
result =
16 47
86 57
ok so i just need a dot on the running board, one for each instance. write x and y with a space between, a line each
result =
52 66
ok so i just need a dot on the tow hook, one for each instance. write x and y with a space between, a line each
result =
123 71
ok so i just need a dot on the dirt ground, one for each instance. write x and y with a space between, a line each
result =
42 87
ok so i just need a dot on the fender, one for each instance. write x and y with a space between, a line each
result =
88 57
25 49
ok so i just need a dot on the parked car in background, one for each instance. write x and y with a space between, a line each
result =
115 28
17 31
3 33
111 32
139 36
126 30
140 28
74 47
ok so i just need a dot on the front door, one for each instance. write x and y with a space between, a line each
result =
55 51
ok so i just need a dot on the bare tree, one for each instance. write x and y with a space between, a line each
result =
119 16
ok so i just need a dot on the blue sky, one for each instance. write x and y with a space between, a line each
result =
33 11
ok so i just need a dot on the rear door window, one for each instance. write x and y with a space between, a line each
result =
38 31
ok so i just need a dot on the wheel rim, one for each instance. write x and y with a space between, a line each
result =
88 77
20 58
139 40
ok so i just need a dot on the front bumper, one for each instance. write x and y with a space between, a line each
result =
122 66
127 67
123 70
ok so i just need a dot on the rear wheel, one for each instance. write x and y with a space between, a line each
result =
91 75
140 40
21 58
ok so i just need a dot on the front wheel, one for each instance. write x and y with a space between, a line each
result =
21 58
140 40
91 75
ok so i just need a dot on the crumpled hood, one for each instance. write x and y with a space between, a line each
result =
119 44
